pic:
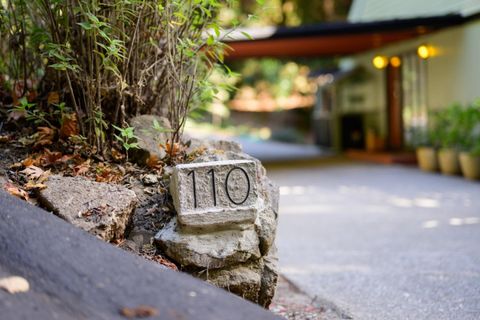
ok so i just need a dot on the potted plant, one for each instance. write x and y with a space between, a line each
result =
448 126
470 163
425 149
470 155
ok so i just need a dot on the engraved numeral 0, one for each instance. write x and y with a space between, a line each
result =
248 186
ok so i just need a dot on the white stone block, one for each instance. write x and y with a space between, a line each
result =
215 194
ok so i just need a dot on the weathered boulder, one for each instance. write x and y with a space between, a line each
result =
216 251
149 137
208 250
254 280
269 277
101 209
244 279
212 144
266 223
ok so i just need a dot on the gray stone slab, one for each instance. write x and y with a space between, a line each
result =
102 209
209 250
215 194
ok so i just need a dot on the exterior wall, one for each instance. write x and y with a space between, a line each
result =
453 75
375 10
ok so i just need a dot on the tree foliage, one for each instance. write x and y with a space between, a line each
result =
285 12
112 59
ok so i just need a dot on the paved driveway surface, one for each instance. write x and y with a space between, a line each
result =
382 242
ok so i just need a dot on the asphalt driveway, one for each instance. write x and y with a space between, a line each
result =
381 242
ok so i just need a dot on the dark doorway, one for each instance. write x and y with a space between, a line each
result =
353 132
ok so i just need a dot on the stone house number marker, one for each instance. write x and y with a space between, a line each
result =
217 193
214 190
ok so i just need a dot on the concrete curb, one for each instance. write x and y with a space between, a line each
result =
73 275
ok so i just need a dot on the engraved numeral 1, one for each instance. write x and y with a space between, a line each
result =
194 188
212 172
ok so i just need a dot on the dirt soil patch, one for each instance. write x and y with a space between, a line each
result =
293 304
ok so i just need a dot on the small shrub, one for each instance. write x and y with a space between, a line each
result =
113 59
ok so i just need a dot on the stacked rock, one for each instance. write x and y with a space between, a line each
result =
226 222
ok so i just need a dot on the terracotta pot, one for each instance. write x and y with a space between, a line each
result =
427 159
374 142
370 141
470 165
448 161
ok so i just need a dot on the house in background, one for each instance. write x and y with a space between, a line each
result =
400 59
386 99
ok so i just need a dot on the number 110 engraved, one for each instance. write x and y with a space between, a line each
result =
211 172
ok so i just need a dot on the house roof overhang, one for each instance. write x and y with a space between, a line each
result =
332 39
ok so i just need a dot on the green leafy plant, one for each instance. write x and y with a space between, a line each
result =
419 137
448 126
457 127
53 118
32 113
470 129
127 138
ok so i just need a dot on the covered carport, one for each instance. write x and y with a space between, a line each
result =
330 39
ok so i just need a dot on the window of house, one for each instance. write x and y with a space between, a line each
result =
414 97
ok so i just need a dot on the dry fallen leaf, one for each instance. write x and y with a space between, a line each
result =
69 126
172 148
15 191
53 98
16 166
141 311
14 284
29 161
33 172
107 174
117 155
165 262
4 139
16 115
30 185
153 162
49 157
44 136
82 168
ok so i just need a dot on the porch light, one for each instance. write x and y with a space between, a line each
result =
424 51
395 61
380 62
